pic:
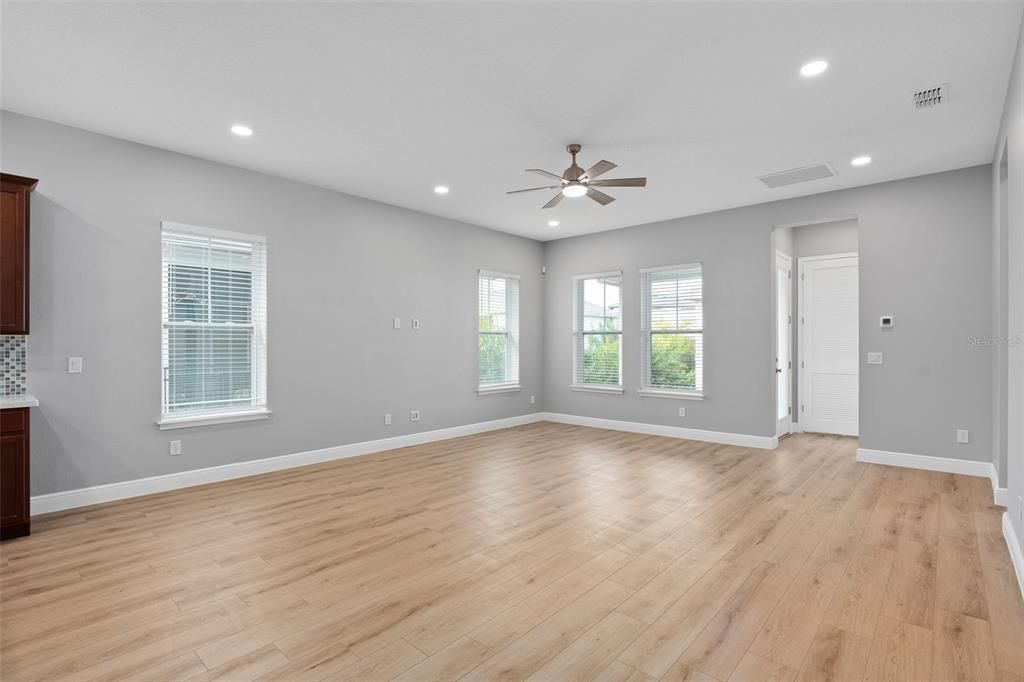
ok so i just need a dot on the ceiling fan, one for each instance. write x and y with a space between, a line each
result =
576 182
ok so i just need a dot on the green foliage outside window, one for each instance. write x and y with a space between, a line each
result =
672 361
602 353
492 358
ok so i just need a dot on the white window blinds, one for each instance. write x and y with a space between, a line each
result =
673 328
214 305
498 308
597 330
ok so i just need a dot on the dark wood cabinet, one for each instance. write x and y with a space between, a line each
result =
14 491
14 218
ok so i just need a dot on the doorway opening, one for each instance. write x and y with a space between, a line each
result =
816 327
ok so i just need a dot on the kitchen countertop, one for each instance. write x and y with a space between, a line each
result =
12 401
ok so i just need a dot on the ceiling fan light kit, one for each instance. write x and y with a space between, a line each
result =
576 182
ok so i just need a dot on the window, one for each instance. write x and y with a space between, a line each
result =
498 296
214 345
673 326
597 332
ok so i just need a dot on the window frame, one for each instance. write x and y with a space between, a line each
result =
647 389
511 333
579 335
259 409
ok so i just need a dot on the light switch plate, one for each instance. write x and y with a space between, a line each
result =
398 323
74 365
962 436
874 358
415 324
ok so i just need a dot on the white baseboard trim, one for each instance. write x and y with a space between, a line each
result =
964 467
83 497
945 465
1001 496
1015 551
740 439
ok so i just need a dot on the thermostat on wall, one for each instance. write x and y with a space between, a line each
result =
887 321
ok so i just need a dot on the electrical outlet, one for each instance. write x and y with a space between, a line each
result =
398 323
414 416
74 365
874 358
961 436
682 411
533 399
387 419
175 448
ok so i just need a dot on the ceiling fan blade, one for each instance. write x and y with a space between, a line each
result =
599 168
533 189
554 201
619 182
545 173
599 197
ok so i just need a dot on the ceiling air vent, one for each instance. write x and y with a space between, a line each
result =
932 97
791 177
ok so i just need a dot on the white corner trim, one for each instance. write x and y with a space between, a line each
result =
209 419
945 465
740 439
82 497
1016 555
1001 496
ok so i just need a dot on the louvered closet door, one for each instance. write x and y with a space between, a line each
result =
829 347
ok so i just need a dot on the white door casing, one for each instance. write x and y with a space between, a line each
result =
783 344
829 354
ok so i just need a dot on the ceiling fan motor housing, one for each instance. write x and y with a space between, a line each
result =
573 172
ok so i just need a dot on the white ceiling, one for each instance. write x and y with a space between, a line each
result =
385 100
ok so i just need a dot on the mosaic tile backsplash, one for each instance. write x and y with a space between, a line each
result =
12 363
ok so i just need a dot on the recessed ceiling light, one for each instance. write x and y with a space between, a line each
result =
440 189
552 223
861 161
241 130
813 68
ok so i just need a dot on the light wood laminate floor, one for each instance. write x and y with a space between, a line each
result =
547 551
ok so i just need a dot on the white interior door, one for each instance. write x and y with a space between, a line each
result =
828 344
783 344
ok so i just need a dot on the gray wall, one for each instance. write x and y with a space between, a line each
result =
1010 293
340 268
924 257
839 236
820 239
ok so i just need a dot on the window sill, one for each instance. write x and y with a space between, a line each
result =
492 390
614 390
678 395
209 419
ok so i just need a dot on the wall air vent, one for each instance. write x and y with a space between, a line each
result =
795 175
932 97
